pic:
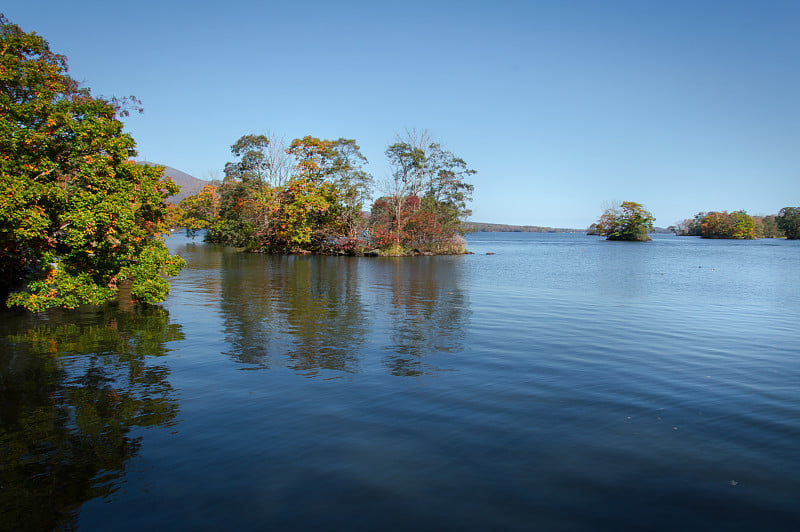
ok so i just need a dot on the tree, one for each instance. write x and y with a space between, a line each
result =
789 222
744 226
315 207
319 206
326 194
425 198
238 221
253 164
302 216
767 227
199 211
694 226
683 227
734 225
77 217
406 162
354 185
263 158
629 221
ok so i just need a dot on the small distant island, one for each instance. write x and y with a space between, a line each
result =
628 221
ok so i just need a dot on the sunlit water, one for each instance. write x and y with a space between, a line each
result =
561 383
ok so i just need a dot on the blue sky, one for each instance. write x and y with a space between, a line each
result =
561 106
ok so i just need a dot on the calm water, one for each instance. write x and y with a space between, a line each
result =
562 383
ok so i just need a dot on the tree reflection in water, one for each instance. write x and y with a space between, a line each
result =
427 314
303 312
314 313
73 385
325 315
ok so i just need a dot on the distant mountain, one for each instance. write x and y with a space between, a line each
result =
188 183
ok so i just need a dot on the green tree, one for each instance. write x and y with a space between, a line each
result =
239 222
76 215
694 227
253 163
629 221
354 186
789 222
744 226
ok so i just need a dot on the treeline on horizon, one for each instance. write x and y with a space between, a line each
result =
631 221
740 225
481 227
309 197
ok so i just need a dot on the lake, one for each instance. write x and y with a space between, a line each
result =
560 383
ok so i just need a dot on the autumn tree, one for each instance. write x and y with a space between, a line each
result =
425 199
733 225
629 221
313 206
390 212
318 207
744 226
199 211
323 199
77 217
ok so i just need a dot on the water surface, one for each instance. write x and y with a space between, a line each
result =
561 383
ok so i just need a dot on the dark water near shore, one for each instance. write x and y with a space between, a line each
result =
563 383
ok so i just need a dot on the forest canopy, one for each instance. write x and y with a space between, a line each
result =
729 225
310 196
77 216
